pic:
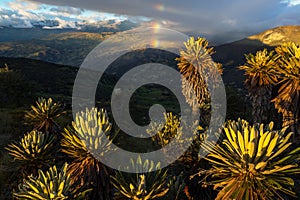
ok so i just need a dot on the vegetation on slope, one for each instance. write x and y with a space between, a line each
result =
258 161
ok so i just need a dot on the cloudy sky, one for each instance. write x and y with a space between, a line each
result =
20 13
230 19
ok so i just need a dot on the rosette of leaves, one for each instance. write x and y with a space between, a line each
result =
33 151
287 101
88 139
141 186
165 132
253 162
260 70
5 69
197 67
44 116
171 129
49 185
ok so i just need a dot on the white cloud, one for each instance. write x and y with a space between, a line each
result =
291 2
24 13
214 17
230 22
67 10
17 18
24 5
62 24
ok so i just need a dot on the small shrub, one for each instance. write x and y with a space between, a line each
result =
82 142
44 116
51 185
33 151
139 186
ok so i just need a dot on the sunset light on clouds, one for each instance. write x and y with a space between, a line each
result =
233 19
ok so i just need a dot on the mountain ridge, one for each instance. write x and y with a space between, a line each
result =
232 55
49 24
278 35
70 48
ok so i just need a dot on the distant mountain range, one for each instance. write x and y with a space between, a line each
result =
111 25
69 46
42 29
51 41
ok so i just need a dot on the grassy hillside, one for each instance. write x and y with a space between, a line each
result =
38 78
264 153
26 81
278 35
45 78
64 48
70 48
19 34
32 78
